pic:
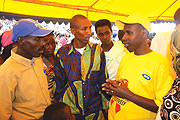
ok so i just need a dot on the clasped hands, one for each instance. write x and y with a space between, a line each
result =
117 88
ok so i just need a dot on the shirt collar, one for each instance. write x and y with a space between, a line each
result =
21 59
88 47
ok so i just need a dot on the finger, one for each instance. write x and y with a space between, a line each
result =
110 92
105 84
114 83
121 80
123 83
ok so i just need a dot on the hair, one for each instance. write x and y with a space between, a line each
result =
74 19
177 16
6 52
103 22
55 112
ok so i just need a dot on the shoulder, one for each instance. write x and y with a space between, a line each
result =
158 57
95 46
119 45
162 35
9 68
64 49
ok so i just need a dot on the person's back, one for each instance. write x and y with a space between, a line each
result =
161 44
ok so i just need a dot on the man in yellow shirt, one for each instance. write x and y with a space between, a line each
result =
23 85
144 76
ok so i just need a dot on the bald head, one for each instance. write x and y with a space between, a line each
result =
177 16
74 20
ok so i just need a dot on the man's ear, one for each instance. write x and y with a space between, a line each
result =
73 31
20 40
145 33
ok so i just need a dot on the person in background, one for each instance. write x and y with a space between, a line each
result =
48 60
93 38
58 111
80 70
161 42
169 109
23 85
143 78
7 44
63 39
114 50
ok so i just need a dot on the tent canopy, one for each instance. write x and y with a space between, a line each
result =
156 10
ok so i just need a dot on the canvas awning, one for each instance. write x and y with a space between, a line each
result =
94 9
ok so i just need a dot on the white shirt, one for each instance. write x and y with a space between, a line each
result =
113 58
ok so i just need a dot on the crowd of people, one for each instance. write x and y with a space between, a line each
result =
83 79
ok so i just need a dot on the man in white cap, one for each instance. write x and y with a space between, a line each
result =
143 78
23 85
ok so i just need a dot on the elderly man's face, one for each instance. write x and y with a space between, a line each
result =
31 46
132 38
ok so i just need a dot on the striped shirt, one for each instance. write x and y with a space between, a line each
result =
79 78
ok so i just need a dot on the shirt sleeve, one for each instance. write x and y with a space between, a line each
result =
60 78
163 82
103 72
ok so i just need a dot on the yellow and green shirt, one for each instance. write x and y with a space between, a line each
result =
79 79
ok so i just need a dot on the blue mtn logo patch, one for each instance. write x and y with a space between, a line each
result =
147 77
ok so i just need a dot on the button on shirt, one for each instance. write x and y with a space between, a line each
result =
23 88
79 78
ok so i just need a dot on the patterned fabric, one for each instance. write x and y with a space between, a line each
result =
63 40
79 79
170 109
48 69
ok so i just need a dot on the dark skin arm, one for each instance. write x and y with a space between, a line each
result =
112 87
